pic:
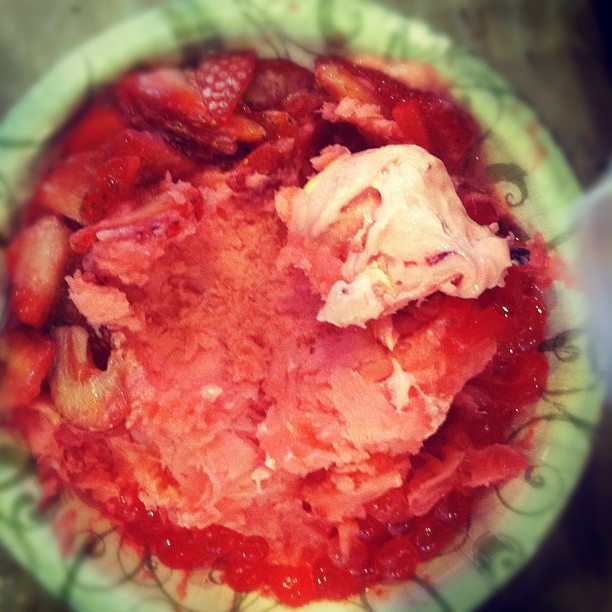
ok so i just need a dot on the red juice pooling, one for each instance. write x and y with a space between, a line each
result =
164 355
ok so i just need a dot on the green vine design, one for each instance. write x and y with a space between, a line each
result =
190 22
270 31
540 477
514 175
475 76
93 546
564 346
364 603
23 517
336 27
563 237
24 514
433 593
497 550
264 24
17 462
399 45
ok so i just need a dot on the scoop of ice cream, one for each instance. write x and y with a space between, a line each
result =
378 229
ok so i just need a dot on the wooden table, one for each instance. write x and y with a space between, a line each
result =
552 51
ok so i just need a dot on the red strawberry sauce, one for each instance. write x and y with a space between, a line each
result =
216 423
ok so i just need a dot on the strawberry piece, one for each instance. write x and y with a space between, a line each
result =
521 304
246 568
114 180
194 106
396 559
245 576
431 120
270 160
223 79
275 83
176 547
387 90
99 124
432 532
167 98
27 356
286 101
157 156
238 128
340 79
37 260
480 206
85 396
62 189
409 117
130 158
292 585
278 124
390 507
164 216
453 130
515 380
332 582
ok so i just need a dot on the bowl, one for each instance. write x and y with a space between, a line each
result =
528 168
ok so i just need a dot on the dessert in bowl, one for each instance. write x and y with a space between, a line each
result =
252 367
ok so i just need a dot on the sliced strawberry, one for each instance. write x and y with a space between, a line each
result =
292 585
114 180
396 559
278 124
129 158
409 117
275 82
194 106
166 98
37 261
343 78
286 101
163 216
436 121
63 187
515 380
238 128
157 156
270 161
387 90
223 79
453 130
27 356
99 124
340 79
85 396
480 206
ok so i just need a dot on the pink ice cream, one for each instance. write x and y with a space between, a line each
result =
384 227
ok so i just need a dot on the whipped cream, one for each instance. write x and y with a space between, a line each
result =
393 222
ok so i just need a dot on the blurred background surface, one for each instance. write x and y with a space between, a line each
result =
557 55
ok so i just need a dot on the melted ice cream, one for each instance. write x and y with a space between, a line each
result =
384 227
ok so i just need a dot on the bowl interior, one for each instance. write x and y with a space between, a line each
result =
528 169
